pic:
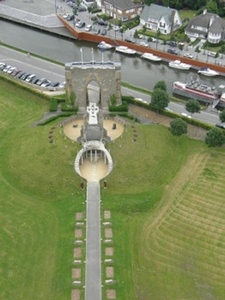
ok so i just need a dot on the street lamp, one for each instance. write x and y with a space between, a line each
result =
55 7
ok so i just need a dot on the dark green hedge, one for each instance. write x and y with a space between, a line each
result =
66 108
68 114
120 108
53 105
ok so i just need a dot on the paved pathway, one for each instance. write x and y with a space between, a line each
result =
93 243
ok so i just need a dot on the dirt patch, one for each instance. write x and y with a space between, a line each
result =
109 272
111 294
79 216
75 295
73 129
108 233
109 251
107 214
76 273
152 117
77 252
78 233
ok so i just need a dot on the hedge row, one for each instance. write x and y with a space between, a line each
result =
25 87
120 108
65 114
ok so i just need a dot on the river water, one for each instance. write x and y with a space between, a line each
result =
135 70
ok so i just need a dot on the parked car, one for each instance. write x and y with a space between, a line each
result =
129 40
46 83
102 23
186 115
62 85
53 85
35 80
11 70
65 16
80 24
30 77
97 31
103 32
221 125
212 54
70 17
19 74
172 51
188 55
81 8
40 81
88 27
6 68
145 44
116 28
172 44
15 72
2 65
24 76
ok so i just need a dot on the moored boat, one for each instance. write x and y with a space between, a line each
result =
150 56
207 72
104 45
197 90
125 50
177 64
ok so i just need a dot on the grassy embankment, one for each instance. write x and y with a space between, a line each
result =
165 194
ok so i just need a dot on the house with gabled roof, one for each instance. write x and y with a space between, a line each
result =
160 18
207 26
123 10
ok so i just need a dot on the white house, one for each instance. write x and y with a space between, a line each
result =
99 3
207 26
87 3
164 19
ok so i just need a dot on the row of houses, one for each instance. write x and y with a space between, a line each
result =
207 26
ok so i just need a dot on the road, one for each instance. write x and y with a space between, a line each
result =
204 116
54 72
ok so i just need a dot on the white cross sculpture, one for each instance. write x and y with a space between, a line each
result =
93 110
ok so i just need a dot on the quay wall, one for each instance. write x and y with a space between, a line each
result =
86 36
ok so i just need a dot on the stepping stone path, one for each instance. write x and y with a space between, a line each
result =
109 251
77 257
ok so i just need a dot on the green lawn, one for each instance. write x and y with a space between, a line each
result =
165 194
184 14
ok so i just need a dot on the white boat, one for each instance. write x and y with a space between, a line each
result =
150 56
125 50
207 72
177 64
104 45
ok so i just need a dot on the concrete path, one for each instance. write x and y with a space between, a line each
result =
93 278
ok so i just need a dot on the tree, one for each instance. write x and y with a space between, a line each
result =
121 31
212 7
160 99
109 28
214 138
178 127
222 116
144 28
192 106
161 85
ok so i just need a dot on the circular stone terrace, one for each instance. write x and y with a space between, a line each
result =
93 162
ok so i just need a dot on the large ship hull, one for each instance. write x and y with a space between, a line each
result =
198 91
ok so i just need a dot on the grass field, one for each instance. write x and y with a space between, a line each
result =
165 194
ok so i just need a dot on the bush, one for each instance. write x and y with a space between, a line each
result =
119 108
53 105
210 45
68 114
64 107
